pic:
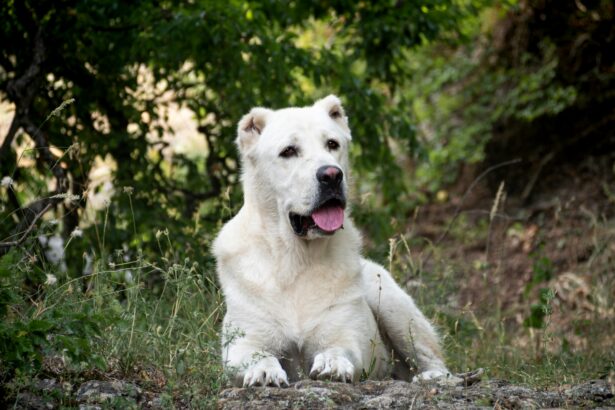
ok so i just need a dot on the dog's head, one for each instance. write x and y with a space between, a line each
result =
295 164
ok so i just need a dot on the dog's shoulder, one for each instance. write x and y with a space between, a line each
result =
240 248
233 240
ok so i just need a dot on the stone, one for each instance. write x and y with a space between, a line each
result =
396 394
96 392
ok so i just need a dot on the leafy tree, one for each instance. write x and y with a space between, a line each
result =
216 58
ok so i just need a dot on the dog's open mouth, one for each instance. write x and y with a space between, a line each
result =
326 218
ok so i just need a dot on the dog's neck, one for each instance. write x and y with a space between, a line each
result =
294 254
327 255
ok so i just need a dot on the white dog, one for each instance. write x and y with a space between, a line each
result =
300 298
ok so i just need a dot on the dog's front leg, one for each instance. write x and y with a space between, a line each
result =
249 365
346 344
412 336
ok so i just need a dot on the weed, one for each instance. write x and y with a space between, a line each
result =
518 340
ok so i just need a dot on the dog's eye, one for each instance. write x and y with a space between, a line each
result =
333 145
290 151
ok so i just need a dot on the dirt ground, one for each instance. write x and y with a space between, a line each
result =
557 233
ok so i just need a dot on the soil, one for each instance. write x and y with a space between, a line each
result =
557 232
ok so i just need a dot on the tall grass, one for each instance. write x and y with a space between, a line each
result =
152 321
497 334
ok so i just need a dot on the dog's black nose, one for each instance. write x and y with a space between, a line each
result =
330 176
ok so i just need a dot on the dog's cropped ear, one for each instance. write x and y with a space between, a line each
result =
333 106
250 127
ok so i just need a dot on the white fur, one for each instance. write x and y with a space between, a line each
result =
299 306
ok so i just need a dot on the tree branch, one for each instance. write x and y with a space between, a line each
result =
22 90
5 246
42 146
8 139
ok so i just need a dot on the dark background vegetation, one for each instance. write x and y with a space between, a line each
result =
483 174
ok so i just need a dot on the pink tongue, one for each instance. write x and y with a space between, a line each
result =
329 219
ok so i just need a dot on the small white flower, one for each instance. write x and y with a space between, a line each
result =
55 249
7 182
128 276
77 233
51 280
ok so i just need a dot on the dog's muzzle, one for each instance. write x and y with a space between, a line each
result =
328 214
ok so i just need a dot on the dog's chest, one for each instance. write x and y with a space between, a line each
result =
287 295
301 304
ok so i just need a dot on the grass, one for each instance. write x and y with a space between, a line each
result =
541 331
152 321
174 332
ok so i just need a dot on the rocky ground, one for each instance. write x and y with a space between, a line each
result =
309 394
395 394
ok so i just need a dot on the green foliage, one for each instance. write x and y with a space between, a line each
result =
7 296
49 326
542 271
129 316
125 62
541 310
460 98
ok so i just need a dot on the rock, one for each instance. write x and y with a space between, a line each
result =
155 403
97 392
601 392
29 400
468 393
41 395
396 394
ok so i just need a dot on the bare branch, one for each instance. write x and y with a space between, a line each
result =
34 211
45 154
5 246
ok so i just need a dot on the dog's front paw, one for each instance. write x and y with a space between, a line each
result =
266 372
331 366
